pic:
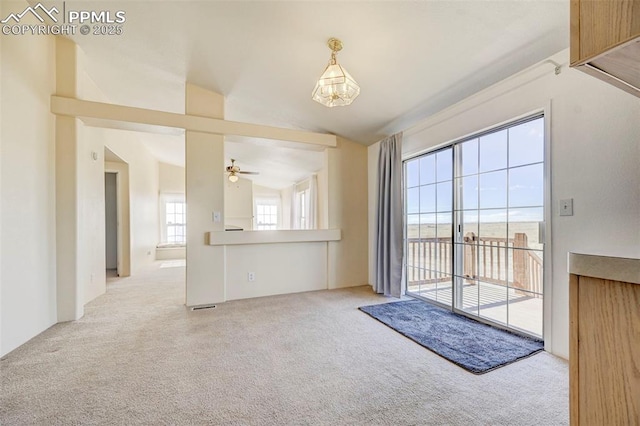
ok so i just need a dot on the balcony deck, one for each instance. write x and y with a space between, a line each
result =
525 311
503 277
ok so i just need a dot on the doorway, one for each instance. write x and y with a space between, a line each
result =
111 222
475 220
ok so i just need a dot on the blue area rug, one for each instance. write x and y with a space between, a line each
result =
472 345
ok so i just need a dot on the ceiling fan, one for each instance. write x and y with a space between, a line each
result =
234 171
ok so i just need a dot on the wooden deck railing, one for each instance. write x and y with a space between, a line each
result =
484 259
428 255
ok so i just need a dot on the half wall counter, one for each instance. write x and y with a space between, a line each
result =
265 263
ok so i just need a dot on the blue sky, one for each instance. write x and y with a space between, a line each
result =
500 173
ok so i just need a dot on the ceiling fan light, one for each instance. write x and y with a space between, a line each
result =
233 178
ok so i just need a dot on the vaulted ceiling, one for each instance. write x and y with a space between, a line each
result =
411 58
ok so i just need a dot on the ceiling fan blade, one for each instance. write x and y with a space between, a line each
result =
249 173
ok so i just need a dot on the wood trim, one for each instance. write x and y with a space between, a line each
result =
605 267
574 12
621 45
119 113
574 394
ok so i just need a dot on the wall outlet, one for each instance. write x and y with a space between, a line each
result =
566 207
251 276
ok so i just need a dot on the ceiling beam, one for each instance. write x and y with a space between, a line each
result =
119 113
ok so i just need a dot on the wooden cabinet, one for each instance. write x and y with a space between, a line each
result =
605 41
604 359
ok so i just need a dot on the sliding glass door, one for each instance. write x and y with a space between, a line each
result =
475 221
429 197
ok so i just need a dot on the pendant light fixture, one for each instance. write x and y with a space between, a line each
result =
335 87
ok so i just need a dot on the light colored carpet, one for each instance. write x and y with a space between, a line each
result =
139 357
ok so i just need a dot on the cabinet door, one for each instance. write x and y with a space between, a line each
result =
598 25
609 352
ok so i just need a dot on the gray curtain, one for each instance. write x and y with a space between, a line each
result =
389 229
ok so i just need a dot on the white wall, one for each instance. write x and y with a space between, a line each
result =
91 255
263 191
238 204
69 291
91 215
286 195
278 269
373 153
595 152
347 210
143 182
172 178
27 193
323 195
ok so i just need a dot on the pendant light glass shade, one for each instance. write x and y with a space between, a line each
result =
335 87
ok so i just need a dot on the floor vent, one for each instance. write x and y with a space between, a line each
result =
198 308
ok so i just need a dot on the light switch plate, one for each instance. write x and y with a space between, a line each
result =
216 217
566 207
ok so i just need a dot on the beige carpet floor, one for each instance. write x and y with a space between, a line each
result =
138 356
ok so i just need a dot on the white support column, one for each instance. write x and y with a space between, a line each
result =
205 179
69 291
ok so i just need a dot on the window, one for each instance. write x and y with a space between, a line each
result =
176 218
173 218
266 215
